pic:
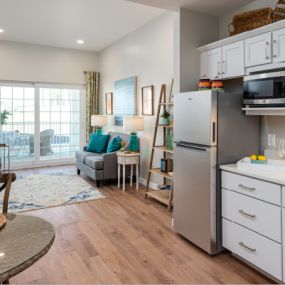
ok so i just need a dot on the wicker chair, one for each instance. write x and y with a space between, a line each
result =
46 137
6 180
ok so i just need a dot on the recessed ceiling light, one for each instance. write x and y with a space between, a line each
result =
81 42
1 30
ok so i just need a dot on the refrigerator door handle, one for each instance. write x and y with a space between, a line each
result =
192 147
214 132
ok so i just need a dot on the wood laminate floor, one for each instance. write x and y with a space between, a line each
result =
125 239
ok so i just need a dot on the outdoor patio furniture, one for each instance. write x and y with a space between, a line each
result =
46 137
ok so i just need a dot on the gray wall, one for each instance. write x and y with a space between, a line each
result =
196 29
269 124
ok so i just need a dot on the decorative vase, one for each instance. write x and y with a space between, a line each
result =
99 132
169 140
134 142
165 121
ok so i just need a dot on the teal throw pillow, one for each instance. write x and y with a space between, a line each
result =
114 145
98 143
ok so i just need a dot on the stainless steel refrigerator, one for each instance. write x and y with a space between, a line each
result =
210 129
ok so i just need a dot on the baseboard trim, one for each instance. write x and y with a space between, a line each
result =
152 185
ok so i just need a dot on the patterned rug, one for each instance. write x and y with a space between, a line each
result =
43 191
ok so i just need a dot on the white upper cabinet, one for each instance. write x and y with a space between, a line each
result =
211 64
233 60
279 46
258 50
225 62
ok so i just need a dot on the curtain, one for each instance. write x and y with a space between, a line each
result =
92 98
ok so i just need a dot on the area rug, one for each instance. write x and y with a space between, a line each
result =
43 191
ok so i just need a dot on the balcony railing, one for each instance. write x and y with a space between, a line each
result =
21 140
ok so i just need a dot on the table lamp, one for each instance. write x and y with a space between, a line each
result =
99 121
133 125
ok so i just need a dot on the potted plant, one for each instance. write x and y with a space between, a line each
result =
165 118
3 118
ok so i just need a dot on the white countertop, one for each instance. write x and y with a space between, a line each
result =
278 178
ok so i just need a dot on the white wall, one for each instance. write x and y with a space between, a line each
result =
227 19
147 54
34 63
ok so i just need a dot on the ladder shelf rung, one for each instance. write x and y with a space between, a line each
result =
163 148
159 172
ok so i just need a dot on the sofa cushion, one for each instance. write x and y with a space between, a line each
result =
95 162
81 155
125 138
98 143
114 144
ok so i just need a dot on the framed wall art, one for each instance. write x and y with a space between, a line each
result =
147 100
125 97
109 103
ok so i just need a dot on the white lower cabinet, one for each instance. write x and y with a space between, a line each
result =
254 214
253 222
256 249
255 188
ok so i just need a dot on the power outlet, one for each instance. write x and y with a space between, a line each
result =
272 140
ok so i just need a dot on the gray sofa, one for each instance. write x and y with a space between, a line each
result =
99 166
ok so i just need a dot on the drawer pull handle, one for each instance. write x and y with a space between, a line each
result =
246 188
247 214
247 247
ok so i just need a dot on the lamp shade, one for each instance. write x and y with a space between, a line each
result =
98 121
135 124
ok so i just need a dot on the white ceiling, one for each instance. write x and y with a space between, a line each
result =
61 22
212 7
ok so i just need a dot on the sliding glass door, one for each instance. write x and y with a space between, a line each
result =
59 123
17 127
40 123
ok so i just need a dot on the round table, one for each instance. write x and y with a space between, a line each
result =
128 158
23 241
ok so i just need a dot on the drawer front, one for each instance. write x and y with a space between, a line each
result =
265 191
256 249
128 160
132 160
120 159
254 214
283 196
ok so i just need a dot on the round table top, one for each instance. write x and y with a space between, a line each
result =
23 241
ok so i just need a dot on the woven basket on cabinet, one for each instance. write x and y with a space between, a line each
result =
279 12
250 20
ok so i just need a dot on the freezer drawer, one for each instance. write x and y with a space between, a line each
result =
195 117
194 211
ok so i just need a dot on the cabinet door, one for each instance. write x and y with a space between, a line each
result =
211 64
258 50
233 60
279 45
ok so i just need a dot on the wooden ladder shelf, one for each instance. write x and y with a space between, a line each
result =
167 178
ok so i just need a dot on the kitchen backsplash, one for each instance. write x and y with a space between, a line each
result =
274 125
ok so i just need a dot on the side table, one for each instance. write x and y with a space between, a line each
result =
128 159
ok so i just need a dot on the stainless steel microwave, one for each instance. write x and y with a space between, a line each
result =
264 90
